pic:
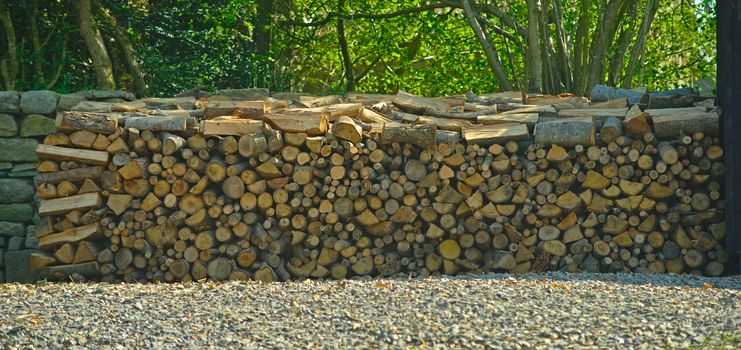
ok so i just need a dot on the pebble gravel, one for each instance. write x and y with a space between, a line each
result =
497 311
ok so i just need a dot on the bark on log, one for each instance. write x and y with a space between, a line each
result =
157 123
423 136
606 93
96 122
567 133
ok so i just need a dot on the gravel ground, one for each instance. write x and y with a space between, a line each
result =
491 311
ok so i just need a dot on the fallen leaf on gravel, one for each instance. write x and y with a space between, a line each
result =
707 286
382 284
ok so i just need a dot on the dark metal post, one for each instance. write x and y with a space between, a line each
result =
729 98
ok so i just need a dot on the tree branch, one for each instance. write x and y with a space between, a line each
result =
346 60
332 15
485 42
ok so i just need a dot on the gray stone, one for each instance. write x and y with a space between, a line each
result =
9 102
27 173
2 276
2 241
106 94
67 101
18 212
36 125
2 259
8 127
16 267
31 230
6 165
11 97
16 243
12 229
245 94
39 102
16 190
18 150
9 108
24 167
31 242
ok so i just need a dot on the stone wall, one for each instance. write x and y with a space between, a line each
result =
25 119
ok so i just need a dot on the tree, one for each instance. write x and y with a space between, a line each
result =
102 66
434 47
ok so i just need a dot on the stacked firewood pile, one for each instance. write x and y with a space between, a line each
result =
292 186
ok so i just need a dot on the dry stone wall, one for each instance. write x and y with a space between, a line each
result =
25 119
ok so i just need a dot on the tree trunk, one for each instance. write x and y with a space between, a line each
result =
102 66
491 53
129 54
8 66
346 60
534 58
624 40
262 33
563 51
602 40
580 50
640 43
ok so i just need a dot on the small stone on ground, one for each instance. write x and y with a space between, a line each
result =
533 311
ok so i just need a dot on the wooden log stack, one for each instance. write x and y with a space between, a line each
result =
382 186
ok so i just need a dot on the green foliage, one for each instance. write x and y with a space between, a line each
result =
188 43
182 44
682 45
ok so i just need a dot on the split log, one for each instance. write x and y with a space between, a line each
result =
74 235
521 118
63 205
231 127
312 124
243 109
419 105
594 112
61 272
77 155
611 129
74 175
345 128
491 134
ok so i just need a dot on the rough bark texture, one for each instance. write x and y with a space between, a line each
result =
102 66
